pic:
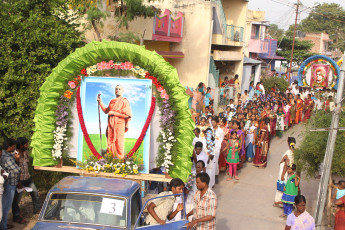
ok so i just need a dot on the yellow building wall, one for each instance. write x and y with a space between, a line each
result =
195 45
236 14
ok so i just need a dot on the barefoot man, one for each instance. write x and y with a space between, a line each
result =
119 114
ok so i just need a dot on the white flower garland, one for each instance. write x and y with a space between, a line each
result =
168 140
59 138
119 168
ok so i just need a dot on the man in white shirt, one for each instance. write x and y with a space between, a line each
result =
199 154
197 138
218 134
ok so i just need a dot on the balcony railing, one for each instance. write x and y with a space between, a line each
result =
214 71
234 33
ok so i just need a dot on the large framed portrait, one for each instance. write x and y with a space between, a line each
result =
115 111
319 76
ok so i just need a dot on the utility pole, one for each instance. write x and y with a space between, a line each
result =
293 41
327 162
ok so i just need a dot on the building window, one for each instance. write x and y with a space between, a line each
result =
255 34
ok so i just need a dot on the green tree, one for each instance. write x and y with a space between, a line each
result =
311 152
274 31
275 82
34 37
301 51
125 12
327 18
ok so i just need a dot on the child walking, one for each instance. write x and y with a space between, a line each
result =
290 190
233 158
280 122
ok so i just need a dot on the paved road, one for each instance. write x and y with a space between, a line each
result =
247 204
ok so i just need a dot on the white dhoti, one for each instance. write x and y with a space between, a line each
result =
215 160
211 171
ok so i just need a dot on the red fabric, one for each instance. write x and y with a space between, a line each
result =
222 156
83 127
260 159
299 110
273 123
143 131
339 223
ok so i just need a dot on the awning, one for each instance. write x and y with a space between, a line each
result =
272 58
170 54
247 60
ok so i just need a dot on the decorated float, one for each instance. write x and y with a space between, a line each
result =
319 71
115 110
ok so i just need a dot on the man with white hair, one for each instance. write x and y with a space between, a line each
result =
119 115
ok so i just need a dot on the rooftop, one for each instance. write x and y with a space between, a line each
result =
101 185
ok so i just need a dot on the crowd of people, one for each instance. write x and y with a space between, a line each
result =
15 178
241 131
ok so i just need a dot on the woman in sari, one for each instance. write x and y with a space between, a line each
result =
287 160
300 219
273 120
339 223
299 109
287 115
260 159
309 105
223 150
292 112
267 113
258 90
200 93
250 139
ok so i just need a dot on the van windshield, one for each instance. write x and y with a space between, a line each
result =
86 209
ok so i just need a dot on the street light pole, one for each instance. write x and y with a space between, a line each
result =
327 162
293 41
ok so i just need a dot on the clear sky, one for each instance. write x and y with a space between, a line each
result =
282 12
136 93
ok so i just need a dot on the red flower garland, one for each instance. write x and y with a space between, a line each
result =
83 127
143 131
86 134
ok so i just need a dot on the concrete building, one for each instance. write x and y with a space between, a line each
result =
260 49
228 37
202 39
321 43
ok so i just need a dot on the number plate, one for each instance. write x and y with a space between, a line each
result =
112 206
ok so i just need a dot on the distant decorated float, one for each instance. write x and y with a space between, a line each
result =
115 110
320 72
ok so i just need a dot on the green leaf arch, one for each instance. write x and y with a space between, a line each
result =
43 138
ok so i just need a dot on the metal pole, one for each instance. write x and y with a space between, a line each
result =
293 41
100 127
323 186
